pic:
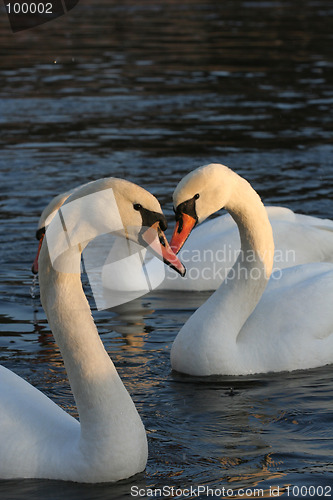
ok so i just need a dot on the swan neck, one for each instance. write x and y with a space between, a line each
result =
210 341
256 236
98 391
247 279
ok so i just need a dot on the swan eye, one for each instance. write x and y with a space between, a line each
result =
137 206
196 196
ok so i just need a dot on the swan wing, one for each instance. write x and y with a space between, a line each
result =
292 325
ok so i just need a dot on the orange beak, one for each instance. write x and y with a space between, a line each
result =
158 243
182 231
34 268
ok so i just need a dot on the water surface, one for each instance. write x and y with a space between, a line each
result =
147 91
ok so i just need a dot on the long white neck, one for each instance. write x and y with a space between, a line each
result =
246 281
109 421
209 339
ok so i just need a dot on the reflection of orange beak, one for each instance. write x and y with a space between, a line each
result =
158 243
34 268
182 231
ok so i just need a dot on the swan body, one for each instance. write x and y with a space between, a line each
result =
256 321
39 439
213 248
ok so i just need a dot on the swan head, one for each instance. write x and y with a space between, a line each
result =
46 217
111 206
199 194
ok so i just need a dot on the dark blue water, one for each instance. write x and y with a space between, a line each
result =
148 91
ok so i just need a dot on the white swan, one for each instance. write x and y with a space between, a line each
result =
213 247
38 439
240 329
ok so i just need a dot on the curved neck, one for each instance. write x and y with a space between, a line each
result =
256 235
98 391
245 283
